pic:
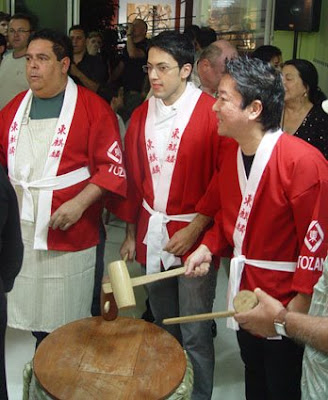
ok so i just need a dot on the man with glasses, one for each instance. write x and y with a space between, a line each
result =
12 71
171 155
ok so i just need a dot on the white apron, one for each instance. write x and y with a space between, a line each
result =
53 287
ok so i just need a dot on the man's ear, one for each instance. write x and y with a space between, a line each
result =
186 70
66 62
255 109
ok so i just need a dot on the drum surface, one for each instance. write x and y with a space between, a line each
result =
121 359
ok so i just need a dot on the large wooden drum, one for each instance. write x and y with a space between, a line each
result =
121 359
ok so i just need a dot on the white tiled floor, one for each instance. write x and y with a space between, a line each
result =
229 382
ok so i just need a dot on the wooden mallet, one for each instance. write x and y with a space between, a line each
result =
120 286
245 300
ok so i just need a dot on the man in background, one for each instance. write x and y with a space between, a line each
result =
211 64
129 70
12 70
87 70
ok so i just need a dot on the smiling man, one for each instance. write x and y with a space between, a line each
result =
273 215
171 152
61 145
12 70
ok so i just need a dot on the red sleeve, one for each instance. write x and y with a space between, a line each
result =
104 147
311 221
128 209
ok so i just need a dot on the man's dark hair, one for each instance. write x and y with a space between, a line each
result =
192 31
4 16
178 45
206 36
309 75
257 80
3 41
266 53
78 28
32 20
62 45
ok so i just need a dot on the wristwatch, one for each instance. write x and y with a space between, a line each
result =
280 322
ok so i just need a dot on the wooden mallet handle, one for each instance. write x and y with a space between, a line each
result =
143 280
245 300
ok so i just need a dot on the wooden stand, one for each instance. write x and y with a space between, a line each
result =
122 359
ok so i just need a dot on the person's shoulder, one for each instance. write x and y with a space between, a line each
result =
297 152
205 98
140 110
317 114
92 101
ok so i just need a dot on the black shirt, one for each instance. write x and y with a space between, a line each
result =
93 67
133 76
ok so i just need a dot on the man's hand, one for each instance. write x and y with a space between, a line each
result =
128 247
71 211
198 263
66 215
182 241
185 238
260 320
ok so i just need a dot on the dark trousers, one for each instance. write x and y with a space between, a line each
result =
99 271
3 324
39 336
272 367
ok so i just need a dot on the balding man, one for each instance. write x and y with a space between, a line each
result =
211 64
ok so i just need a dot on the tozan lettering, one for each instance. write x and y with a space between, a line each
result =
117 170
310 263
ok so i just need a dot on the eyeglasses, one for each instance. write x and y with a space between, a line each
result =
160 69
19 31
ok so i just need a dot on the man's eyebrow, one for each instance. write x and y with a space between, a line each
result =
38 54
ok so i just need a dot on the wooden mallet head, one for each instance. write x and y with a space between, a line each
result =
121 284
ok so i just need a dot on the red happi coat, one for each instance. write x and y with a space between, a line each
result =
288 221
199 150
93 131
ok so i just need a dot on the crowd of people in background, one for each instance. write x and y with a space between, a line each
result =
161 133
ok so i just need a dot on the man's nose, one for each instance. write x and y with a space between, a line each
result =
152 73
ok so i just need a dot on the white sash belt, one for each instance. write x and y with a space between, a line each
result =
236 270
157 237
48 184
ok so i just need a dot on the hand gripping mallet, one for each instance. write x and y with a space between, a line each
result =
121 286
245 300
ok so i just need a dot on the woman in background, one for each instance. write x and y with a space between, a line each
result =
303 115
